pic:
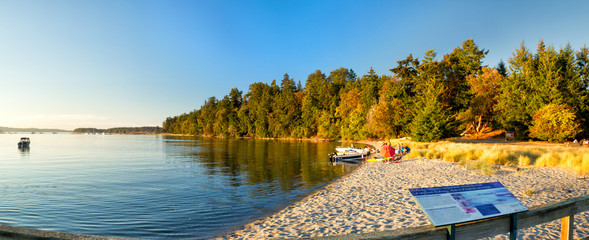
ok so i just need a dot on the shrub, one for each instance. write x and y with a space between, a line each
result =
554 122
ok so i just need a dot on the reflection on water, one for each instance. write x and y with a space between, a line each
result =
157 187
290 164
24 151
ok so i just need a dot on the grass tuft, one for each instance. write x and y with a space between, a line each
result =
523 160
548 160
484 167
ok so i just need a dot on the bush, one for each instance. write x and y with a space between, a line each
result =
554 122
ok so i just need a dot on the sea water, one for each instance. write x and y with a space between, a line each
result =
153 186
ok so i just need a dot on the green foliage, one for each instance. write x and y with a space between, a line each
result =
426 99
431 123
536 80
431 119
501 69
554 122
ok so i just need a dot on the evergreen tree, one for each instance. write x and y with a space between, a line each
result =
501 68
406 71
432 120
287 109
319 92
462 62
513 102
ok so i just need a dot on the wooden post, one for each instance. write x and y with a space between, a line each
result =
513 226
452 232
566 228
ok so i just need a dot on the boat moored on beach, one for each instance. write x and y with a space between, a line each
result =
346 157
349 150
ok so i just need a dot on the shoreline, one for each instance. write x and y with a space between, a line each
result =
374 197
231 230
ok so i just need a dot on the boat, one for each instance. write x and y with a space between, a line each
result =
25 142
341 157
349 150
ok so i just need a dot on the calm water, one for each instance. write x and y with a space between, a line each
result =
157 187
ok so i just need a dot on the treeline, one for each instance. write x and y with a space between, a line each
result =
9 129
538 95
120 130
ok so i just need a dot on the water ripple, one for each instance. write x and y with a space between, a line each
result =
155 187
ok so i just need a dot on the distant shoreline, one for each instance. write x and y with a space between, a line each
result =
23 130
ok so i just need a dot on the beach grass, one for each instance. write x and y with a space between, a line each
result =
484 156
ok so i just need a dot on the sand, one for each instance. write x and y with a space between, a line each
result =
375 198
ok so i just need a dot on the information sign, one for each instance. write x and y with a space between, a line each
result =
464 203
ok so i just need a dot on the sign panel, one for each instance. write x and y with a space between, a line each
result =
464 203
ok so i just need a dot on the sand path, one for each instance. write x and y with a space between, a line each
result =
375 198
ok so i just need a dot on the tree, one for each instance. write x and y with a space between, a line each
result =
484 87
319 94
407 72
513 102
554 122
350 113
432 120
390 118
287 108
462 62
501 68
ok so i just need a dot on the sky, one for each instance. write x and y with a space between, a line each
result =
108 63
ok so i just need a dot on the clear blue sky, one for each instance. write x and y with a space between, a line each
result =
110 63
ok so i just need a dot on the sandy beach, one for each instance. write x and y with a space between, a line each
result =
375 198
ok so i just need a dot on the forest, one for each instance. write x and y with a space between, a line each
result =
540 95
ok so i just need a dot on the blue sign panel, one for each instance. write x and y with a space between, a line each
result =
462 203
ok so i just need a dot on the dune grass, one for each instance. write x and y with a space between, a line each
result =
484 156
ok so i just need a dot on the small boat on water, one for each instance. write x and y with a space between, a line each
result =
25 142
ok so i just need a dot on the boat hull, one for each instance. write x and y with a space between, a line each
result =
347 157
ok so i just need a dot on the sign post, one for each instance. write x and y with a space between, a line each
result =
450 205
452 232
513 226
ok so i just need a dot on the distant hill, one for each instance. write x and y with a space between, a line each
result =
121 130
9 129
